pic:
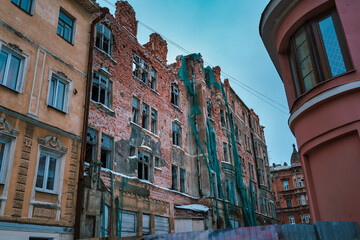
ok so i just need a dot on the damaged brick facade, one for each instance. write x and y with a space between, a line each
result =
139 130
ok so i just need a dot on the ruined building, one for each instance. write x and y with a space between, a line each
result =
169 147
43 69
292 206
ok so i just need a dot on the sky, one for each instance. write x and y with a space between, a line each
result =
226 33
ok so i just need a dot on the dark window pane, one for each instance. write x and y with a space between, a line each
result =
89 152
2 150
103 158
332 46
13 72
102 95
51 174
3 59
95 92
41 171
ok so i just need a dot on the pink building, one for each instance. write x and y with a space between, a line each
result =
314 45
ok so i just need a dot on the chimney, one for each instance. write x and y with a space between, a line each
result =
157 46
125 15
217 71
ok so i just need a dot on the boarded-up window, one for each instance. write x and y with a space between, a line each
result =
145 224
128 224
161 225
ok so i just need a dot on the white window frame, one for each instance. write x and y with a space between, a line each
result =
46 172
68 90
20 82
291 219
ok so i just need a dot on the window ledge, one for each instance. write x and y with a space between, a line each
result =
178 147
103 107
30 13
47 192
12 90
158 169
61 111
105 53
154 91
176 107
71 43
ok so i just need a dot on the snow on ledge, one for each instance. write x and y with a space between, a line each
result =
194 207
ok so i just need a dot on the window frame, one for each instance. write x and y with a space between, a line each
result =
174 177
175 95
24 60
142 66
291 219
109 150
107 87
176 135
31 7
316 46
94 144
67 91
145 166
73 26
145 112
48 154
286 186
135 111
153 84
182 177
153 121
101 35
209 108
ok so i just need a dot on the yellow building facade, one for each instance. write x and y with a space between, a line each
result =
43 72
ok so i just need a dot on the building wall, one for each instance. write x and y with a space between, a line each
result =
155 196
30 126
325 119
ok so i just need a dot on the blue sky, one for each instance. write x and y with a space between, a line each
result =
226 33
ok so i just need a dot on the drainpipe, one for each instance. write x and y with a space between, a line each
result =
80 189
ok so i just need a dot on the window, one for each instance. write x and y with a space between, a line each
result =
222 118
233 105
132 151
157 162
58 93
291 219
236 133
3 147
225 152
140 69
209 108
307 219
144 165
101 89
176 134
47 173
104 39
11 68
105 219
295 182
26 5
299 201
182 180
135 110
251 170
318 52
106 151
286 185
153 121
174 173
153 79
145 116
303 201
300 183
174 95
243 116
91 143
66 26
288 202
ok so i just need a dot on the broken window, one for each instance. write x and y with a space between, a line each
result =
182 180
101 89
153 79
145 116
140 69
174 95
176 134
153 121
91 143
157 162
107 143
135 110
222 118
144 165
209 108
104 39
174 177
225 152
132 151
